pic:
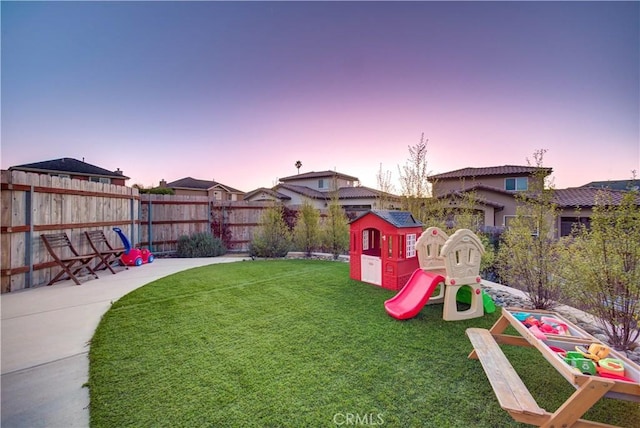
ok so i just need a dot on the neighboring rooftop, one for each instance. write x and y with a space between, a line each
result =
615 184
343 192
585 196
320 174
68 166
194 183
489 171
265 191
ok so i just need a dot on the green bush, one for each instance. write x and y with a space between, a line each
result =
273 238
200 245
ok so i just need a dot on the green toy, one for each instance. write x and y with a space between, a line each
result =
464 296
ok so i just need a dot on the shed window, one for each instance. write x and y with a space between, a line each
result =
411 245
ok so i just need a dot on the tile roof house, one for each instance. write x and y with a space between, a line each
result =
212 189
73 168
576 205
319 188
496 187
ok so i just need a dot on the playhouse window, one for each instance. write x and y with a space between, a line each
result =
411 245
390 246
365 240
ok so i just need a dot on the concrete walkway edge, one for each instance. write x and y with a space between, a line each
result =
45 342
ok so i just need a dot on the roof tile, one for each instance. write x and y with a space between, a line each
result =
488 171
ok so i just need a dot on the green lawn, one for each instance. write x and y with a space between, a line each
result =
297 343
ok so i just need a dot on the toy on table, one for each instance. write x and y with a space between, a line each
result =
611 366
583 365
593 360
133 256
595 351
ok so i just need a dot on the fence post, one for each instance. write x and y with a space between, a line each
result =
28 241
149 228
132 216
210 216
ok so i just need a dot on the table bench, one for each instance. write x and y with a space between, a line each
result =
58 244
513 395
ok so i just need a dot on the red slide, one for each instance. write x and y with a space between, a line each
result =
414 295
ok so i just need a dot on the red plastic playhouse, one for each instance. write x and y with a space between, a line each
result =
383 248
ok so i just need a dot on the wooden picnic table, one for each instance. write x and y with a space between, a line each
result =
512 393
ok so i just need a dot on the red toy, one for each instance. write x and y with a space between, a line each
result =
133 256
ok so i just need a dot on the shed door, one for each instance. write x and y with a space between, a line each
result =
371 269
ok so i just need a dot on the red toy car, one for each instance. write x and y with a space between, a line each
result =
133 256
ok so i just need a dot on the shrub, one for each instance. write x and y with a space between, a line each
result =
200 245
602 267
335 230
273 238
306 233
528 256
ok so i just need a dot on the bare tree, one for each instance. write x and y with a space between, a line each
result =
386 188
416 191
413 175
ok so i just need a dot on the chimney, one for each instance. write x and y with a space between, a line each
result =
163 183
117 171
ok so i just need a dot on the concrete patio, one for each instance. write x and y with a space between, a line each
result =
45 342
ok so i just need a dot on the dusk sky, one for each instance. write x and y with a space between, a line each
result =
238 92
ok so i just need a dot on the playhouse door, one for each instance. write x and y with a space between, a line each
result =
371 269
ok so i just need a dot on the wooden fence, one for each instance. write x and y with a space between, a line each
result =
32 204
241 218
165 218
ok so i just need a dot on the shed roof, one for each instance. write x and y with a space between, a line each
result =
397 219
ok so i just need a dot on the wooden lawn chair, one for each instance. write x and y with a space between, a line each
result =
71 265
107 254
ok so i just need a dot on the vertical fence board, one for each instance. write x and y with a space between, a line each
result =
6 213
55 205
